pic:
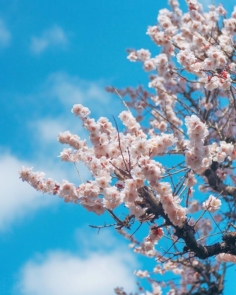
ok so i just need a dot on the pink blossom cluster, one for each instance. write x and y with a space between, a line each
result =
190 180
156 289
171 204
188 32
142 273
197 130
219 81
130 155
173 266
197 155
212 204
221 151
155 234
224 257
130 122
147 247
37 181
71 139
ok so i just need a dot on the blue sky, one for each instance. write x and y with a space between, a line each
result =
54 54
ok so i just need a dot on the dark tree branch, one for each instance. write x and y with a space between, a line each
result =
216 183
187 232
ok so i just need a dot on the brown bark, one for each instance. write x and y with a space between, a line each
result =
187 232
216 183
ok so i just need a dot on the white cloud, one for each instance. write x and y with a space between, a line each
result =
103 238
71 89
60 273
94 272
5 35
60 91
53 37
48 129
16 198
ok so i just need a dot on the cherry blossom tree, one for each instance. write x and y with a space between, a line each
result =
170 165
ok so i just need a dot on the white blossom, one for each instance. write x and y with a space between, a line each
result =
212 204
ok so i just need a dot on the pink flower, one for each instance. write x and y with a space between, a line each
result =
79 110
143 54
197 130
133 56
212 204
142 273
149 65
25 173
224 257
65 155
68 192
190 180
112 197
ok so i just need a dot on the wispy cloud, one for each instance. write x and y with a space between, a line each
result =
17 198
53 37
46 130
60 90
5 35
98 272
71 89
